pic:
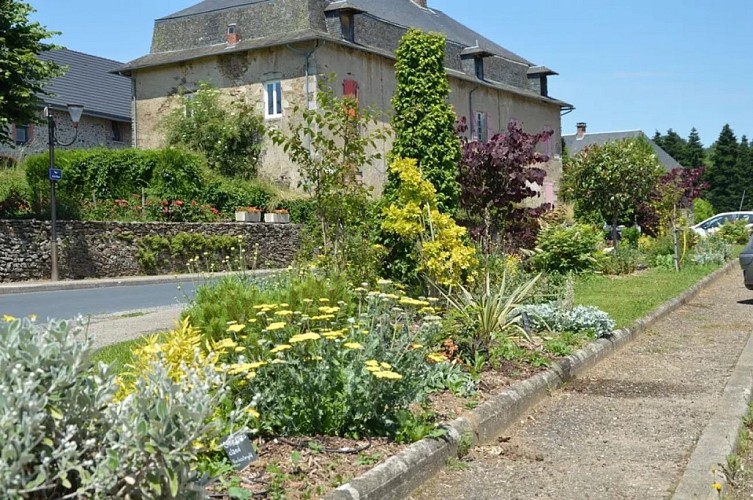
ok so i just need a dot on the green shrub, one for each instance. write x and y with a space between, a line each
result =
702 210
712 250
65 435
735 232
227 195
190 252
112 174
15 194
630 236
551 317
564 249
626 261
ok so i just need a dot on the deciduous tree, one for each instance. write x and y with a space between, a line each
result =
23 75
611 179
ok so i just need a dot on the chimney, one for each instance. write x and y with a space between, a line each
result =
232 36
421 3
581 130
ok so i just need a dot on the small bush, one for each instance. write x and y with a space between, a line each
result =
15 194
630 236
64 435
564 249
626 261
549 316
712 250
702 210
735 232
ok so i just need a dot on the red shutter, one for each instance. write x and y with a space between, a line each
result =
350 88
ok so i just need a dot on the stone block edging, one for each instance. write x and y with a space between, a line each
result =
399 475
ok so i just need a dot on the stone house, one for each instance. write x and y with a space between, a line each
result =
106 98
274 54
581 139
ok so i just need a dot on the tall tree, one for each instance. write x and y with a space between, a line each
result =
694 150
612 179
22 74
725 189
424 122
744 167
674 145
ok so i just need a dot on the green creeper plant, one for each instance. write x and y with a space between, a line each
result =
229 134
611 179
424 122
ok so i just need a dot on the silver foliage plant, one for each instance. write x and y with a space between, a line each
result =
64 435
550 316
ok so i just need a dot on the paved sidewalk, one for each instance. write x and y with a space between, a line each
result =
627 428
115 328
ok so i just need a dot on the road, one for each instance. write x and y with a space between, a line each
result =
65 304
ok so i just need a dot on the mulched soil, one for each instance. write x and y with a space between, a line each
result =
309 467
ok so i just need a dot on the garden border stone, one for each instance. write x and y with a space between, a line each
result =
399 475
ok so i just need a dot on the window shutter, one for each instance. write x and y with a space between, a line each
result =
350 88
30 133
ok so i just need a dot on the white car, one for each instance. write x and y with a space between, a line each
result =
712 224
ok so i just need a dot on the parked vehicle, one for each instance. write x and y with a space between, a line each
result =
746 262
712 224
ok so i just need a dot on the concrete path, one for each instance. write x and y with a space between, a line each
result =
627 428
113 328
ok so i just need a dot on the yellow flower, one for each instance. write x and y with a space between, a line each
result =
416 346
231 323
324 300
278 362
225 344
307 301
284 305
252 412
235 328
281 347
251 375
386 366
388 375
284 313
33 317
436 357
8 318
323 317
302 337
276 326
353 345
372 362
240 349
384 282
717 486
373 369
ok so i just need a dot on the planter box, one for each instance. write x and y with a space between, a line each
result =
248 216
277 218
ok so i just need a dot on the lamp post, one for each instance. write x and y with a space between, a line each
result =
75 110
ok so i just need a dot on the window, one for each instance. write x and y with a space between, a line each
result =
116 135
273 98
479 65
22 135
347 26
231 29
481 127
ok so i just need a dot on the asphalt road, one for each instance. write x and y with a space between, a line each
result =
66 304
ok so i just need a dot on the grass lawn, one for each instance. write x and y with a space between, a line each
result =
628 298
117 355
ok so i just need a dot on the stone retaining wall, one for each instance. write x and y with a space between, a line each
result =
110 249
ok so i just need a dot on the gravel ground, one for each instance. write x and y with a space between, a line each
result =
626 428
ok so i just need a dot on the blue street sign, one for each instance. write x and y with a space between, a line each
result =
56 174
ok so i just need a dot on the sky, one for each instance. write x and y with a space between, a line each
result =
624 65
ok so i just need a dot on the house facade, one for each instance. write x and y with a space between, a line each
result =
275 53
574 143
106 97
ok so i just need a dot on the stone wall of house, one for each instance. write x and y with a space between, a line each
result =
110 249
92 132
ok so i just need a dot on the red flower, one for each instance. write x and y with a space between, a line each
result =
193 203
178 203
165 203
214 210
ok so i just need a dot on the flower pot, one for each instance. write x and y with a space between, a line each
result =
277 218
244 216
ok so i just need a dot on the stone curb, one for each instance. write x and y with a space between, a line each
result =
53 286
720 437
402 473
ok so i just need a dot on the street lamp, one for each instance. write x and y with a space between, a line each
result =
55 174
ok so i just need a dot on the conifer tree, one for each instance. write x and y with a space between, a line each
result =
744 167
694 151
722 176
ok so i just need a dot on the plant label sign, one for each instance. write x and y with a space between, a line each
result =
239 450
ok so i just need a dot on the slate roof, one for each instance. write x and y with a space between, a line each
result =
402 13
89 81
574 145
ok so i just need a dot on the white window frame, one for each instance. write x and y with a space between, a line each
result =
275 86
